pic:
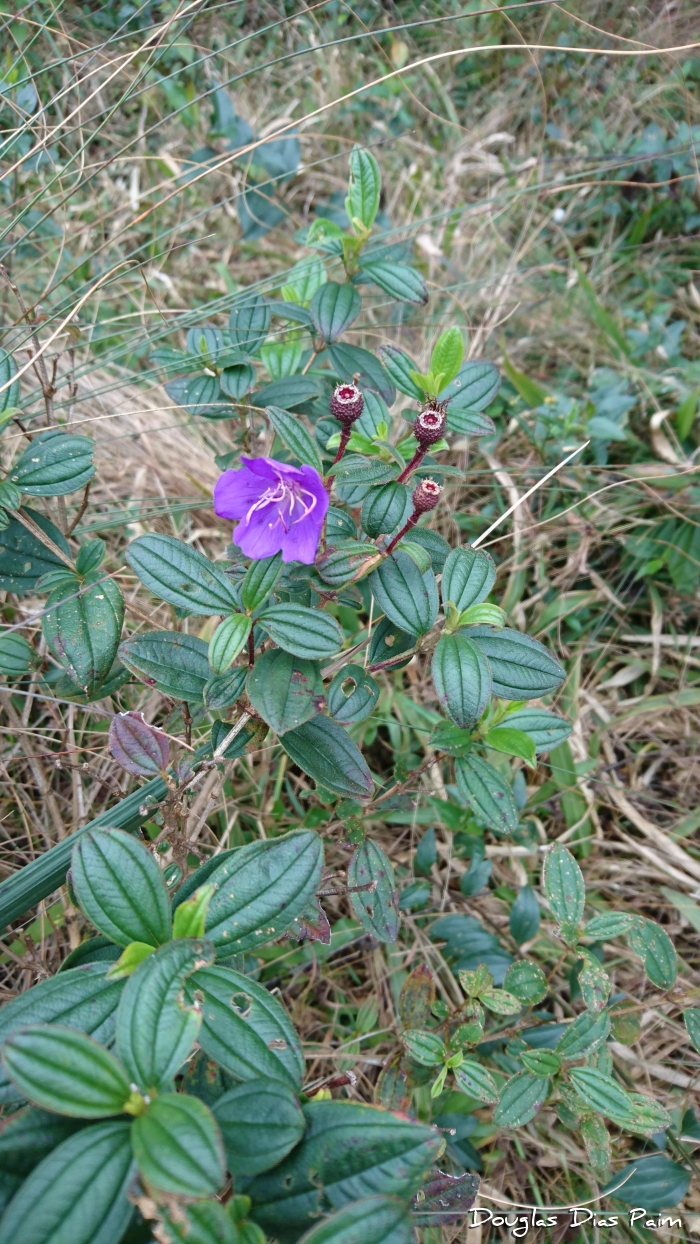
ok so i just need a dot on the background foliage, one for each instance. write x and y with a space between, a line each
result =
546 198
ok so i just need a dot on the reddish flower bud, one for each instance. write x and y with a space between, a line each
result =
429 427
347 403
426 496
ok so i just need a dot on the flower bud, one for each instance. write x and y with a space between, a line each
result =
347 403
426 496
429 427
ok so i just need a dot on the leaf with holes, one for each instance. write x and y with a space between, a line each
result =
55 464
377 908
408 598
487 793
176 663
462 679
260 1122
325 751
82 628
65 1071
175 572
285 690
348 1150
295 436
155 1028
244 1028
177 1146
120 887
352 695
521 667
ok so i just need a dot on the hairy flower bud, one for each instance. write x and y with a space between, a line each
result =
429 427
347 403
426 496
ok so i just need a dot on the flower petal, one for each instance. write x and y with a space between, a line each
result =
261 535
235 492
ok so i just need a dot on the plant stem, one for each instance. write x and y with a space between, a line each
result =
406 527
415 461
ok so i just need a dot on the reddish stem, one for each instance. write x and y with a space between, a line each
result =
345 434
406 527
415 461
251 649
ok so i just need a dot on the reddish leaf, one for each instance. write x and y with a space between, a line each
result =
417 997
444 1199
139 748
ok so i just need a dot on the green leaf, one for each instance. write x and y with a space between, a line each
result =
245 1029
364 187
524 919
65 1071
292 391
649 1116
285 690
513 743
237 380
227 641
333 309
685 414
155 1029
408 598
542 1063
175 572
344 561
325 751
200 396
177 1147
565 890
120 887
249 323
608 925
9 397
482 615
585 1035
654 1182
426 1048
298 440
282 358
83 628
372 1220
487 793
376 909
129 960
522 668
348 360
526 981
191 916
77 1194
352 695
654 946
473 388
348 1151
355 469
223 690
520 1099
500 1001
90 556
467 577
79 998
398 367
386 509
602 1094
545 729
447 355
175 663
397 280
596 1138
54 464
207 341
462 679
24 559
594 982
529 390
302 631
261 888
692 1023
240 743
260 1122
27 1137
17 656
476 1081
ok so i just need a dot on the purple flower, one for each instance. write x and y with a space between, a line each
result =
277 507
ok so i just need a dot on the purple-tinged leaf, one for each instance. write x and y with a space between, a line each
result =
139 748
444 1199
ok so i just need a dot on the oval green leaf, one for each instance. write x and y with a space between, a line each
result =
120 887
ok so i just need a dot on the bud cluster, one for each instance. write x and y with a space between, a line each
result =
347 403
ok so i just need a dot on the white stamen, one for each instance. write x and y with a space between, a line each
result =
279 494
